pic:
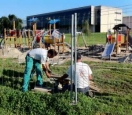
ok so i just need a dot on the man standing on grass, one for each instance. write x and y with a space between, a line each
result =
36 58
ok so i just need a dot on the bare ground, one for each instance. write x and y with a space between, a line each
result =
16 53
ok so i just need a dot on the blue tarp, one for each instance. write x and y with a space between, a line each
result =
54 21
108 50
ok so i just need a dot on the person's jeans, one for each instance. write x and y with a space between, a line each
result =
80 90
83 90
30 63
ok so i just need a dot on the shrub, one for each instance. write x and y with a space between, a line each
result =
34 103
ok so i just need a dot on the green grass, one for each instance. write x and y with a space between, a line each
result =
114 79
111 77
5 112
92 39
18 41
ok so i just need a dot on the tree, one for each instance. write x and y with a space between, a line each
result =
18 21
86 28
4 23
7 22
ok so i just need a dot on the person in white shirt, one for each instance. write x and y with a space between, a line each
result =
83 74
35 58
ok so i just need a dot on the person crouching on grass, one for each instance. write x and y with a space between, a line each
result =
83 74
36 58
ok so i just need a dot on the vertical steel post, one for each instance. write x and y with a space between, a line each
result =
75 51
72 35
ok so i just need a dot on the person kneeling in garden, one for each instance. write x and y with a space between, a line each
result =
83 74
36 58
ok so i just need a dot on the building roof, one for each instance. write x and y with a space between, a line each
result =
61 11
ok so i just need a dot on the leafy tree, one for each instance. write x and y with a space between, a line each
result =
86 28
7 22
18 21
4 23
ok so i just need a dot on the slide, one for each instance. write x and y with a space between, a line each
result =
108 51
130 41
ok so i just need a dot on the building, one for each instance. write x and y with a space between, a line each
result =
100 18
128 21
106 18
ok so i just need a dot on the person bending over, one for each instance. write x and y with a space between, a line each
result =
35 58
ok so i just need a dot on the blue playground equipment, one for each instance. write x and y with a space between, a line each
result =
108 51
33 20
54 21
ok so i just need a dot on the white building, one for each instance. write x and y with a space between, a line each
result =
107 17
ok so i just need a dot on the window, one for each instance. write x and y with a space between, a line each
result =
117 20
117 12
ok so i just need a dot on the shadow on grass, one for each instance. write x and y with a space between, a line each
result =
12 73
104 94
15 83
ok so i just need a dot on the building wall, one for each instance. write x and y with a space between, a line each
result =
109 17
84 13
128 21
101 18
92 27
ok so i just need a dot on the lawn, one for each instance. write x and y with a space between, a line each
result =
114 79
92 39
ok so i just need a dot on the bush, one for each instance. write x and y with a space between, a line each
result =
32 103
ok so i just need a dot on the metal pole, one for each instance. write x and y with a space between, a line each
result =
75 51
72 34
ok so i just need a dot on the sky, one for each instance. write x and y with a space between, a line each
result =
24 8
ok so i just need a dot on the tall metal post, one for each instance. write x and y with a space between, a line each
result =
72 36
75 51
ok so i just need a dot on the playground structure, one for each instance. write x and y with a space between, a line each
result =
117 41
30 39
51 37
34 38
14 38
12 35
